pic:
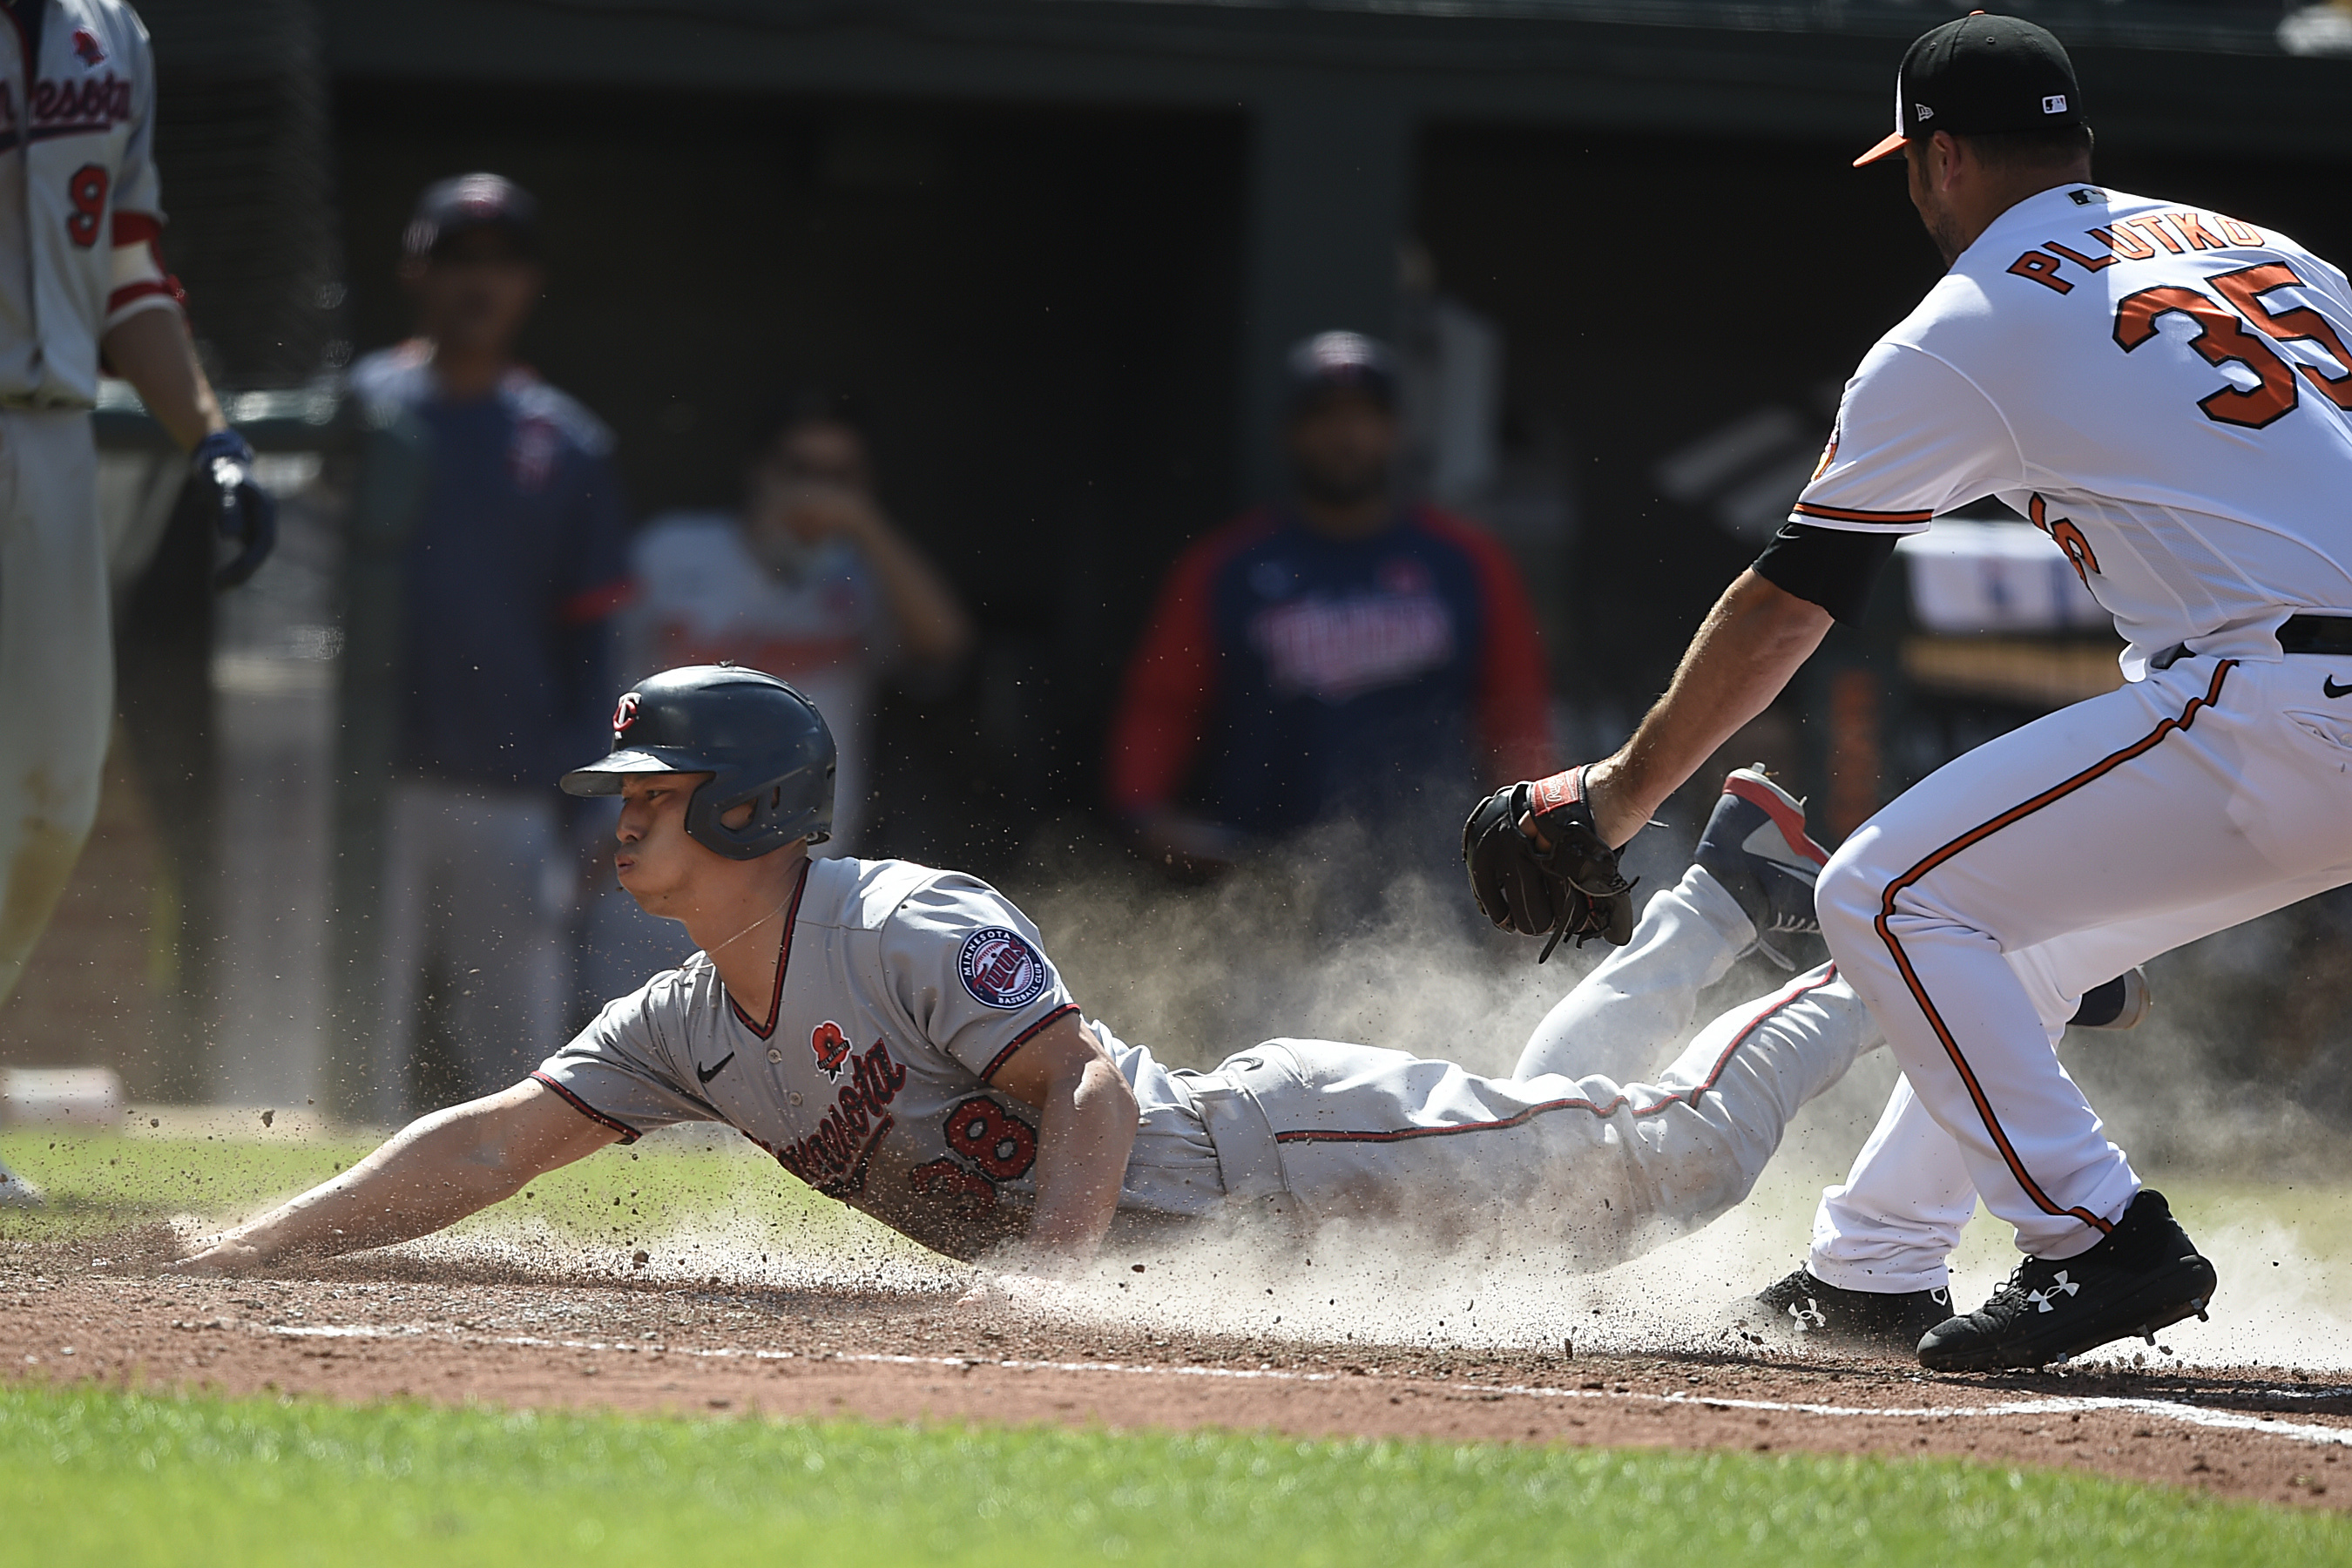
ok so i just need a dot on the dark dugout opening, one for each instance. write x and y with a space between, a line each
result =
1038 309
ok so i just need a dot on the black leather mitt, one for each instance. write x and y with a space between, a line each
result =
1571 889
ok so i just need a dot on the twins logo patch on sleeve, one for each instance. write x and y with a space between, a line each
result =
1001 970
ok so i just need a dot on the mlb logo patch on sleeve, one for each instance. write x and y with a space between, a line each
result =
1001 970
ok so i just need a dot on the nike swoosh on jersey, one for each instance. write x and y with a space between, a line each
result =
2327 684
706 1073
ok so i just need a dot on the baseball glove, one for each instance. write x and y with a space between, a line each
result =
1571 889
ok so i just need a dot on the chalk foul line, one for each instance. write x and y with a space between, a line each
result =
2053 1404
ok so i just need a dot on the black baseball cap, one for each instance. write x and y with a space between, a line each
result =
1336 362
1980 73
468 202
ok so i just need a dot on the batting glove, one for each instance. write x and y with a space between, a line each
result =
243 513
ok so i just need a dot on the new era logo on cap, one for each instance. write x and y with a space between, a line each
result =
1990 74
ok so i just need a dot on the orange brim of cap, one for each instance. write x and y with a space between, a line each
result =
1885 149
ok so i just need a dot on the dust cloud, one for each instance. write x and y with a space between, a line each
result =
1315 944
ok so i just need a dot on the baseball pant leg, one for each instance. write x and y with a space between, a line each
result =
1725 1102
56 664
503 931
410 858
1636 1004
2179 804
1605 1171
1893 1223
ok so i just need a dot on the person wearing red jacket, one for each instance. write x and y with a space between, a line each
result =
1335 654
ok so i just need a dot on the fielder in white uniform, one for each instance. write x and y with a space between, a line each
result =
81 276
897 1038
2166 392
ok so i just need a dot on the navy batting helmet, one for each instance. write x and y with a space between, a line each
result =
761 741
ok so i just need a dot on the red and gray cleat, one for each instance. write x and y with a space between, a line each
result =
1757 846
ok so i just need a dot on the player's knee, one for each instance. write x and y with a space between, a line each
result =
1848 896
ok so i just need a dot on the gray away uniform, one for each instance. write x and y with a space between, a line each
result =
79 211
903 990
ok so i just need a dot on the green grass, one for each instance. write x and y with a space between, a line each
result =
96 1476
97 1182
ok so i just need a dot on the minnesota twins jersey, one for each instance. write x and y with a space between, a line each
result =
79 206
2165 391
901 992
1311 678
518 558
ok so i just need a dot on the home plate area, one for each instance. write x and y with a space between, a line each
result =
900 1344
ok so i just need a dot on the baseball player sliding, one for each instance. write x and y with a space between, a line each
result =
897 1037
2166 392
81 279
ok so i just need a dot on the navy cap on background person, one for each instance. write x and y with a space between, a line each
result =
1979 74
1341 362
464 203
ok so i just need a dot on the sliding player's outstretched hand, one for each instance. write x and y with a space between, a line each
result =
217 1254
1538 864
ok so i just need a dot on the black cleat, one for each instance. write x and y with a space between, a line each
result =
2122 1003
1802 1309
1755 845
2143 1276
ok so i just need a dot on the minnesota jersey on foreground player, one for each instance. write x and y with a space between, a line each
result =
896 1037
2166 391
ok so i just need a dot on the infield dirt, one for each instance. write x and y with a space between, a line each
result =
454 1331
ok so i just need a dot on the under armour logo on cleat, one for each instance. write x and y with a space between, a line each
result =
1811 1311
2060 1284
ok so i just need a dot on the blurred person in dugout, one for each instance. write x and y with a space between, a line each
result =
1339 655
809 580
516 567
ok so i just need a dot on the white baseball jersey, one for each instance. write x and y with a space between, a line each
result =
79 207
703 596
700 588
2164 391
901 991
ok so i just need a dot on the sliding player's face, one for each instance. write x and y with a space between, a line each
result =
657 863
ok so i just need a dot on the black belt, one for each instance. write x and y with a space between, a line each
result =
2328 634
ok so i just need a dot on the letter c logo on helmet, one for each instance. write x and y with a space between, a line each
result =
764 745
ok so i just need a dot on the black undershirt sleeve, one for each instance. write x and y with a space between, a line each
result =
1832 567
